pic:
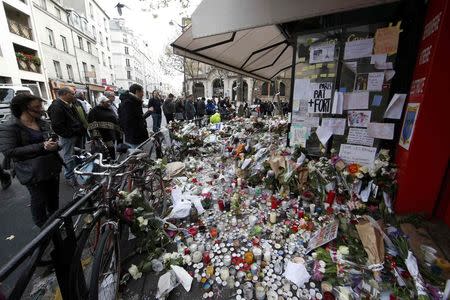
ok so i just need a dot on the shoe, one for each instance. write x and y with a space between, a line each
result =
6 182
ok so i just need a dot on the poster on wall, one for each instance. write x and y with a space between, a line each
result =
362 155
320 98
321 53
408 125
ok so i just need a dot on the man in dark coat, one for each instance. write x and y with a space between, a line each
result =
189 108
131 118
179 109
66 123
169 108
154 106
200 108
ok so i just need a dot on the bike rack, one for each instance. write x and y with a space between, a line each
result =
61 255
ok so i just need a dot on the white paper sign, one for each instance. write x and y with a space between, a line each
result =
296 273
337 125
311 122
295 104
389 74
323 236
301 89
395 107
358 118
320 98
321 53
375 81
298 135
378 58
359 100
324 134
358 49
383 131
362 155
338 103
359 136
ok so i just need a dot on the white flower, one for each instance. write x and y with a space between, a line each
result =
187 259
364 169
343 250
166 257
322 264
373 174
174 255
314 254
142 222
345 173
359 175
134 272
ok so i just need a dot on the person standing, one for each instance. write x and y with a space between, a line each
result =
210 107
82 101
154 106
169 108
67 125
27 140
131 118
112 98
200 109
179 109
104 124
189 108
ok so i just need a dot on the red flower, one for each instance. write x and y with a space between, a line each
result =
128 214
353 168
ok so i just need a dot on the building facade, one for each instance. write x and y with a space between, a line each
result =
20 51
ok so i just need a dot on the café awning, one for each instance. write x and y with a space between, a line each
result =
260 52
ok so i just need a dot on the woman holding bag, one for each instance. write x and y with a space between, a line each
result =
26 139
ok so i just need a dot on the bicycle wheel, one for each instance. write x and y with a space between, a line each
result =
83 258
105 277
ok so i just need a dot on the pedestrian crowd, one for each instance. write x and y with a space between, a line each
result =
36 150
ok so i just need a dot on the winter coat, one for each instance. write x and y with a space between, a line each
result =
103 123
201 108
65 119
31 162
210 108
132 119
189 109
169 107
156 104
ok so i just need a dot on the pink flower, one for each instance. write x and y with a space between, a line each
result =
128 214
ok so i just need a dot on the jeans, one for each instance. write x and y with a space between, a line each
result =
156 122
169 118
67 145
44 199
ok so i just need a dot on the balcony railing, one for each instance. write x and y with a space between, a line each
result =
20 29
28 66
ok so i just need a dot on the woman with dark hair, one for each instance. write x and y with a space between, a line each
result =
27 140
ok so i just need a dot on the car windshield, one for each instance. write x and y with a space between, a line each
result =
6 95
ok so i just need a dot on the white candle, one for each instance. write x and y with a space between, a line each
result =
267 256
273 217
257 253
197 257
224 274
227 260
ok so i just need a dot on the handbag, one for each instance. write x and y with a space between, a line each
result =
37 169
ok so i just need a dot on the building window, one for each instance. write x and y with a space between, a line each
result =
43 4
129 75
89 47
126 50
85 71
282 89
58 13
91 10
109 61
80 43
107 43
94 75
104 22
51 38
94 33
103 58
100 37
127 62
57 66
64 43
265 91
69 71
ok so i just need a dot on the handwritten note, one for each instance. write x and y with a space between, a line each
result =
311 122
320 97
324 134
298 135
337 125
358 100
383 131
359 136
386 40
358 49
375 81
362 155
301 89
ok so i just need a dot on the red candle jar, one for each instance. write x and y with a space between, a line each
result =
273 203
213 232
330 197
294 228
301 214
206 258
221 205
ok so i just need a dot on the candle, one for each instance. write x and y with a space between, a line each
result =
201 248
267 256
227 260
197 257
193 248
221 205
273 217
252 220
311 208
239 182
260 291
213 232
301 213
233 221
257 253
224 274
206 258
248 257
